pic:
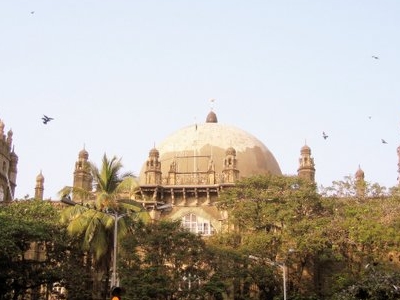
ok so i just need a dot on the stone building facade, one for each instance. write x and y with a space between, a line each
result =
8 165
183 177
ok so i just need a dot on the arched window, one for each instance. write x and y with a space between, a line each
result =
197 224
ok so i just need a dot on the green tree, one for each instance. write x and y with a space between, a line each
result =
93 222
348 188
162 261
333 237
230 275
34 250
362 232
374 284
269 217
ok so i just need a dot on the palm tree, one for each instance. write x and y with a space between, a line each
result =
93 221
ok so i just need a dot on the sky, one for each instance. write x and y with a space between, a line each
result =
119 77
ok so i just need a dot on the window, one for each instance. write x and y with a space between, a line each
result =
197 224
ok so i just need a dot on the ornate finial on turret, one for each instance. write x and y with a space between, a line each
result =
212 100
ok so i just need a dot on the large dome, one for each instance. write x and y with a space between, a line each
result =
192 148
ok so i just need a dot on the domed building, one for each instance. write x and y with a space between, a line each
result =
183 176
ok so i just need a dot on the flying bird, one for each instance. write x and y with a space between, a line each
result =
32 12
324 135
383 141
46 119
375 57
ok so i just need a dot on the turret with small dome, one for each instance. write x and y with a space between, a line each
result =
306 168
360 182
83 178
8 165
39 188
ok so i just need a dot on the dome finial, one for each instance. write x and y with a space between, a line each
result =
212 117
212 100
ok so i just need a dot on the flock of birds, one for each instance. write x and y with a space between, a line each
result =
47 119
325 136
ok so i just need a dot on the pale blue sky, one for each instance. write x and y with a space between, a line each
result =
120 76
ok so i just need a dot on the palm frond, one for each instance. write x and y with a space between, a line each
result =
95 225
72 212
98 236
131 205
128 186
76 191
143 216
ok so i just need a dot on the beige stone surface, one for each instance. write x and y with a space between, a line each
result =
194 146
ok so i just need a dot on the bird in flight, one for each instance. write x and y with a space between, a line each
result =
375 57
324 135
32 12
383 141
46 119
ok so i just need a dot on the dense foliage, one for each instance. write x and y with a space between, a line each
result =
325 241
162 261
35 252
94 220
331 247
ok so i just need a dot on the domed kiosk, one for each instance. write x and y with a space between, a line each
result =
184 174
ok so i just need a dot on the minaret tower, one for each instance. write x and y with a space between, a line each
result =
8 165
83 178
306 168
153 168
39 188
360 182
230 171
172 173
12 172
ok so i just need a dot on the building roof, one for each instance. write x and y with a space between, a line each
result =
195 146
